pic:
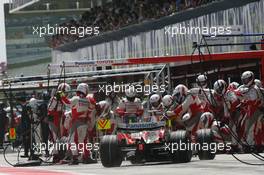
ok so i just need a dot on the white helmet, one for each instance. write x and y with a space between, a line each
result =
258 83
64 87
155 100
131 92
247 78
83 88
220 87
207 119
33 101
233 85
201 80
33 104
104 108
179 93
167 100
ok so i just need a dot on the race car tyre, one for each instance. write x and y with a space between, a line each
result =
110 152
180 147
205 136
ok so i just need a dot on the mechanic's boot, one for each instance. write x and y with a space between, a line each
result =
74 161
55 159
89 161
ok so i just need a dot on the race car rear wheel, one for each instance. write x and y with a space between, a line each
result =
110 152
180 147
205 136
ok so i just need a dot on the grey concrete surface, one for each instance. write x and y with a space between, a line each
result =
222 165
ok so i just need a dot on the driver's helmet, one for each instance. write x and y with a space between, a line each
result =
155 100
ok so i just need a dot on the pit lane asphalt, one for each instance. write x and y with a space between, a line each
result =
222 165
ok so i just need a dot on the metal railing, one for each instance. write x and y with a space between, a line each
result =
15 5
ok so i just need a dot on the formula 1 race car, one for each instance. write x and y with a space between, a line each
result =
143 140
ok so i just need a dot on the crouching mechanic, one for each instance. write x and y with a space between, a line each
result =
169 105
224 104
55 114
251 97
130 108
189 110
80 120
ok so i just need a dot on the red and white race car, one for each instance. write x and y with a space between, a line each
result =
142 140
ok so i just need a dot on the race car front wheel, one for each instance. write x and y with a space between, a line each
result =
110 152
